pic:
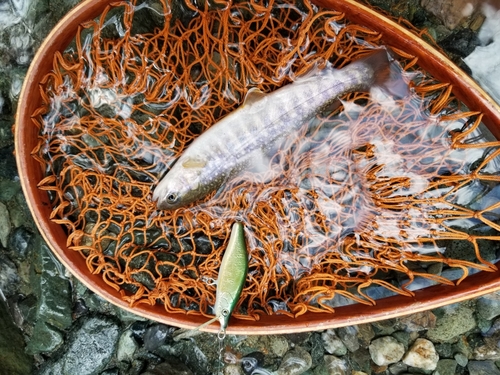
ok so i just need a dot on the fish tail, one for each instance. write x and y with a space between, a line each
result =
386 72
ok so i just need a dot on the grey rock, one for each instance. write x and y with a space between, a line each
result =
155 336
51 287
9 278
5 225
8 188
451 12
488 307
422 355
91 347
170 367
445 367
349 336
456 320
44 339
482 368
337 366
386 350
332 344
295 362
461 359
21 243
398 368
127 346
13 359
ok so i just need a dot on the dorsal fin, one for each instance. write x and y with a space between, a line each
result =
253 95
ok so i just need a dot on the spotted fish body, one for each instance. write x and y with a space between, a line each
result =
229 145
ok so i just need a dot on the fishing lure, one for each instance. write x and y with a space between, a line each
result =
232 274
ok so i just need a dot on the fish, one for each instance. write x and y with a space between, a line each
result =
230 281
230 145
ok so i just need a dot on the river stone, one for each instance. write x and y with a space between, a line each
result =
295 362
20 243
51 287
422 355
91 347
455 320
155 336
337 366
4 224
482 368
9 278
13 359
445 367
488 306
44 339
349 336
386 350
126 347
170 367
451 12
332 344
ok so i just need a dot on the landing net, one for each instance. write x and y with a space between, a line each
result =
378 197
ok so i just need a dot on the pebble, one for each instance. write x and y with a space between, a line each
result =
155 336
337 366
386 350
455 321
5 226
461 359
295 362
488 307
422 355
482 368
127 346
446 367
451 12
332 344
349 336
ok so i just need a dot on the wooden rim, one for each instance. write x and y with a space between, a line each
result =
26 135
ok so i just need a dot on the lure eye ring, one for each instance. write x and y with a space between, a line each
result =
225 312
172 198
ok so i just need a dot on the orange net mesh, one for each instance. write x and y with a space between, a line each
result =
368 201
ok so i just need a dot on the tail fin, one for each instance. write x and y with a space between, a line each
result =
387 73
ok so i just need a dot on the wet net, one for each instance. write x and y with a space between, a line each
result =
377 197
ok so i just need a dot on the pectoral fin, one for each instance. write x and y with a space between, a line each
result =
193 163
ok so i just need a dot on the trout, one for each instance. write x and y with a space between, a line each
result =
229 145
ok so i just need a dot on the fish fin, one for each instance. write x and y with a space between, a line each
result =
253 95
193 163
312 72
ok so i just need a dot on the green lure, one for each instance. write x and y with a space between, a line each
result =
232 274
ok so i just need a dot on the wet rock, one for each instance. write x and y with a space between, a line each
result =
44 339
361 360
8 188
275 345
13 359
51 287
295 362
9 278
451 12
460 43
233 370
155 336
482 368
349 336
5 226
398 368
454 321
461 359
91 347
446 367
127 346
20 243
365 335
488 307
337 366
386 350
170 367
332 344
419 321
422 355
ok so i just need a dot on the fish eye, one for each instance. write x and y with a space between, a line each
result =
172 198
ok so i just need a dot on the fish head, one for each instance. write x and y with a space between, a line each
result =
224 307
179 187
